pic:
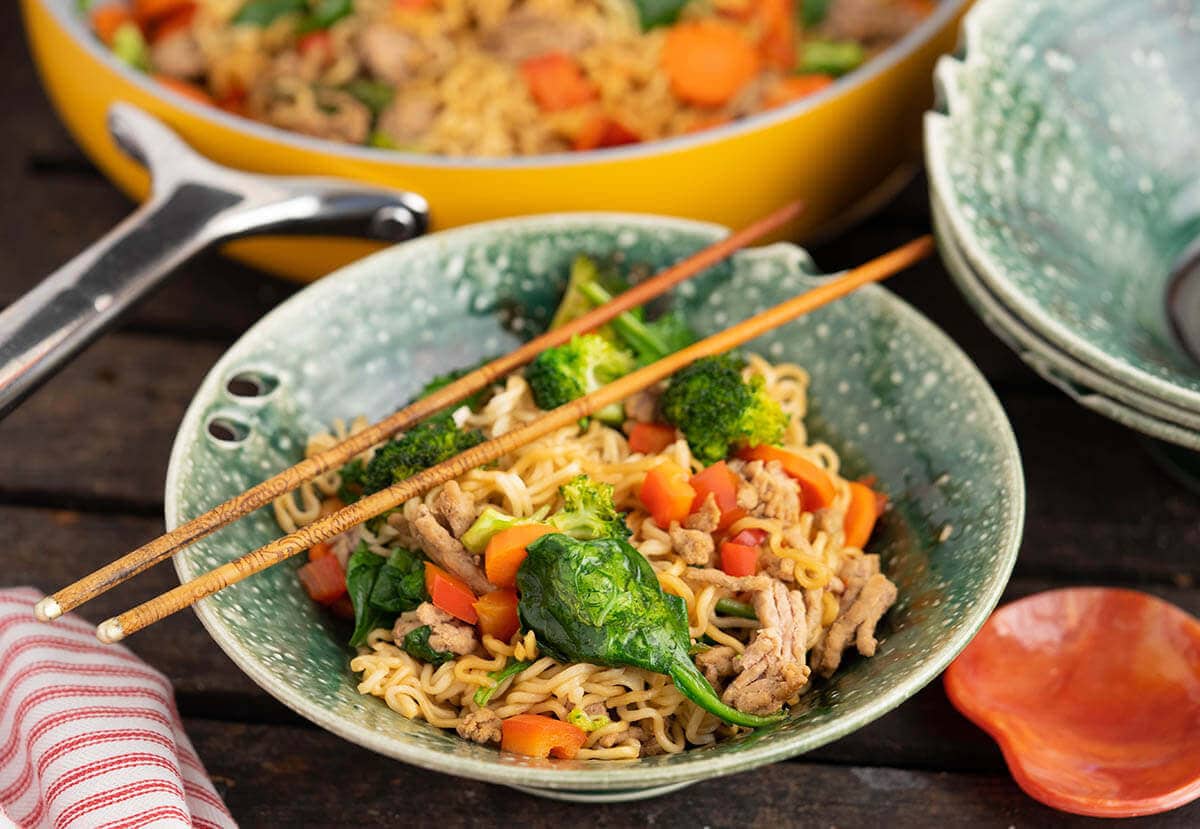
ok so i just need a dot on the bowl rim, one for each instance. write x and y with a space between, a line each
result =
1126 405
73 24
619 776
953 104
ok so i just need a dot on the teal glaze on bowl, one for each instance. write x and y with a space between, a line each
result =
1089 388
893 394
1067 158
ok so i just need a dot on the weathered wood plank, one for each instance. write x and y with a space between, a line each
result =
99 435
48 548
51 548
102 430
64 205
267 778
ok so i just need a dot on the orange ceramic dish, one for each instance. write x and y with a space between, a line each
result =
840 149
1094 697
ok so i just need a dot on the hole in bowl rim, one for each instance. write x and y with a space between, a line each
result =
230 423
265 382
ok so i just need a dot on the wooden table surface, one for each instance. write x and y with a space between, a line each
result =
82 465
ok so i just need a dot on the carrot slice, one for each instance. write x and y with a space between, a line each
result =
450 594
107 19
722 483
330 505
506 550
666 493
651 438
707 61
556 81
778 41
174 21
709 122
234 101
343 608
815 484
739 560
498 614
537 736
320 550
190 90
795 88
319 41
148 11
864 508
602 131
323 579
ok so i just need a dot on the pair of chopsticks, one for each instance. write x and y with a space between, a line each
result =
117 628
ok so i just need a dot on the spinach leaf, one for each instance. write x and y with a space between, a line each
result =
324 14
599 601
361 572
400 583
374 95
812 12
654 13
265 12
484 694
416 642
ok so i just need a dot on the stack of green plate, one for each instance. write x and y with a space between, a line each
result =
1064 172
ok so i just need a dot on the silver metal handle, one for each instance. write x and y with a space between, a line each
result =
194 203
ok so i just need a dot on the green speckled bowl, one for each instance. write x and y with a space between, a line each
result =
889 391
1083 384
1067 161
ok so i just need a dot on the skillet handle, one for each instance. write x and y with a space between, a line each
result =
194 204
66 311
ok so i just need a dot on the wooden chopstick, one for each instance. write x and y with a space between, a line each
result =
117 628
165 546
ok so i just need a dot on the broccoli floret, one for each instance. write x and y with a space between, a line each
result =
426 444
492 521
569 371
718 411
582 720
585 272
649 341
354 481
475 401
588 511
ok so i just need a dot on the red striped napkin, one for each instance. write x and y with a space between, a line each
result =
89 734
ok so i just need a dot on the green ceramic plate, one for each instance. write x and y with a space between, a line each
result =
889 391
1081 383
1067 161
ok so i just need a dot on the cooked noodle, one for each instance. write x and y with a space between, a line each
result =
454 77
529 479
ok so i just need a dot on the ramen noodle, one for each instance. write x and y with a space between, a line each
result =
495 78
808 551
